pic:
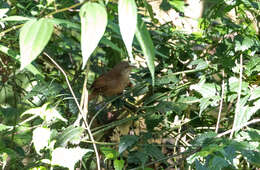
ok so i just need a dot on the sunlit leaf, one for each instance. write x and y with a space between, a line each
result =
3 12
119 164
109 153
93 25
244 112
70 134
46 112
68 157
15 18
255 93
243 43
146 44
206 89
64 22
33 37
127 16
4 127
178 5
41 137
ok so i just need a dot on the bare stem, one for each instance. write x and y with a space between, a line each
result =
221 101
80 109
239 127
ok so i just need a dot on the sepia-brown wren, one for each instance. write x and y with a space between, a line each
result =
113 82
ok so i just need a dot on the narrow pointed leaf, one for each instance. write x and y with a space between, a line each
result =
33 37
93 25
127 16
145 41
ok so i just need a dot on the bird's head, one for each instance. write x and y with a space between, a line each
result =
124 67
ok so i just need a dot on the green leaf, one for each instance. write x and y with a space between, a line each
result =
218 163
137 158
153 151
109 153
127 16
204 103
252 65
127 142
119 164
38 168
109 43
252 156
199 140
207 90
201 64
152 121
93 25
166 80
251 4
234 85
40 138
33 37
4 127
64 22
243 43
70 134
46 113
254 134
146 44
255 93
245 112
68 157
15 18
150 10
178 5
207 150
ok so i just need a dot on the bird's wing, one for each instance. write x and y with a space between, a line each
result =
104 81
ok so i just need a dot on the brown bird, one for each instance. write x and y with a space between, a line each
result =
113 82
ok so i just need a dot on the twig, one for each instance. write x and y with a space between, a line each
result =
83 101
10 29
48 15
221 101
80 109
66 9
237 111
239 127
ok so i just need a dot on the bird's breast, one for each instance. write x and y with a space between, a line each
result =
117 86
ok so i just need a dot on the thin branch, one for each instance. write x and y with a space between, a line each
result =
10 29
48 15
66 9
239 127
80 109
238 96
221 101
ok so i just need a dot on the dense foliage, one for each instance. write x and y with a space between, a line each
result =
194 99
